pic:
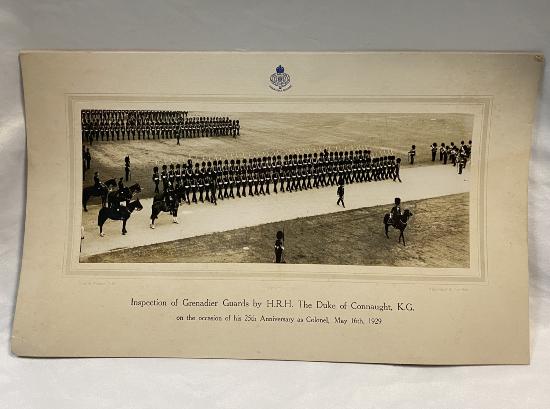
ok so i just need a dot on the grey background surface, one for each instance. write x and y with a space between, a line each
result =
266 26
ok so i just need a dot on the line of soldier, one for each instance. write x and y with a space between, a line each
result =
457 155
125 125
195 127
217 179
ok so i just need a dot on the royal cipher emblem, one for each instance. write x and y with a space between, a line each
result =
280 80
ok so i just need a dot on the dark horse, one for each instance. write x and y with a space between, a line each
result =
160 205
122 213
400 224
93 190
123 195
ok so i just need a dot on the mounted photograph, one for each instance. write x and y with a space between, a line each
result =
367 189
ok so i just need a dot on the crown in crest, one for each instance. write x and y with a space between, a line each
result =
280 69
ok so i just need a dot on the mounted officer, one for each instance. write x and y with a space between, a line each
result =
97 182
395 213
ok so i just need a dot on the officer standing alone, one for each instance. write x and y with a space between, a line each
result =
279 247
340 193
127 167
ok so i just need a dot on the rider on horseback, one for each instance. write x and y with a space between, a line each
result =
98 184
395 213
114 198
97 181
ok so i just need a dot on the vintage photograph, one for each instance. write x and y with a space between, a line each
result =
252 187
374 201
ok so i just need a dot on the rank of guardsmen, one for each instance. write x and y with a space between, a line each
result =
213 180
114 125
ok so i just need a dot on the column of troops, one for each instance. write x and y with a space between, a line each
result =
111 125
230 178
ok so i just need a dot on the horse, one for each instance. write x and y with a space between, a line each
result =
160 205
93 190
400 224
122 213
124 195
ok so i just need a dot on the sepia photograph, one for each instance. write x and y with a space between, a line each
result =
368 189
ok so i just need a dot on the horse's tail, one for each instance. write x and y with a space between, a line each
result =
102 216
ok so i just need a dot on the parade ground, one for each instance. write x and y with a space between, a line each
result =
317 230
437 195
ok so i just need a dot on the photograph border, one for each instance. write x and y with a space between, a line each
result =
263 271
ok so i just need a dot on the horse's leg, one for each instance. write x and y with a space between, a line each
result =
153 217
100 222
124 231
84 200
401 237
175 215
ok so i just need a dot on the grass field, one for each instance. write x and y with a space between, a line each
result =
437 236
272 133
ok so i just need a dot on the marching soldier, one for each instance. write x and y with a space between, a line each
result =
171 175
238 177
201 180
213 188
396 170
261 174
178 176
164 177
244 177
220 174
250 174
207 179
156 178
284 174
195 182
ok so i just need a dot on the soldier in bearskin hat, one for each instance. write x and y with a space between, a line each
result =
279 247
156 178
